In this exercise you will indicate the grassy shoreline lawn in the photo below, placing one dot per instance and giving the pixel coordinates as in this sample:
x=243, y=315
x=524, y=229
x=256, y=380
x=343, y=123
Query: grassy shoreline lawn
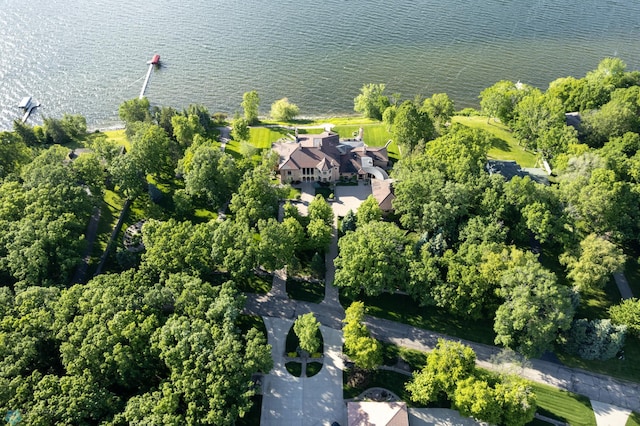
x=504, y=145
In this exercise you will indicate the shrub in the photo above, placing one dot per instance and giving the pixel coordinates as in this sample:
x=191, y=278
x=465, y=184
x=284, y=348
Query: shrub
x=627, y=313
x=595, y=339
x=468, y=112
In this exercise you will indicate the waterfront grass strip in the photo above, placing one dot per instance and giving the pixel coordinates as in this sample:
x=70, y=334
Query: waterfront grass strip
x=504, y=145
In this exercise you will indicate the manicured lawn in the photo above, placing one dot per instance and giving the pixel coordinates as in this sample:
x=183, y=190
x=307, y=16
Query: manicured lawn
x=595, y=303
x=263, y=137
x=401, y=308
x=319, y=121
x=390, y=353
x=205, y=215
x=313, y=368
x=233, y=148
x=311, y=131
x=119, y=137
x=632, y=272
x=505, y=146
x=634, y=420
x=110, y=209
x=374, y=134
x=564, y=406
x=394, y=151
x=256, y=284
x=627, y=368
x=293, y=194
x=304, y=290
x=294, y=368
x=325, y=192
x=247, y=322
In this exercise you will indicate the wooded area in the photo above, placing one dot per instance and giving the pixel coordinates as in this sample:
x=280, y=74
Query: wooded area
x=159, y=338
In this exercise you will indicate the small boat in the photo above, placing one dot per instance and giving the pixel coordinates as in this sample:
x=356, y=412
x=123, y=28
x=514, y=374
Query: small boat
x=25, y=103
x=155, y=60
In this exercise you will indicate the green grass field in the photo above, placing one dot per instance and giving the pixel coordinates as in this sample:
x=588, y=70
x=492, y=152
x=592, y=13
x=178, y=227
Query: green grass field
x=505, y=146
x=263, y=137
x=319, y=121
x=304, y=290
x=634, y=420
x=119, y=137
x=401, y=308
x=374, y=134
x=564, y=406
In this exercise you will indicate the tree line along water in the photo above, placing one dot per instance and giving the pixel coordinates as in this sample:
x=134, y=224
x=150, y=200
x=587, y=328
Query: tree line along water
x=80, y=57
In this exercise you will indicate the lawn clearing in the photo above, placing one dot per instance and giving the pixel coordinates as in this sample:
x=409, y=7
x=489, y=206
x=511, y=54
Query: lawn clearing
x=634, y=420
x=119, y=137
x=320, y=121
x=564, y=406
x=263, y=137
x=505, y=146
x=627, y=368
x=401, y=308
x=374, y=134
x=305, y=290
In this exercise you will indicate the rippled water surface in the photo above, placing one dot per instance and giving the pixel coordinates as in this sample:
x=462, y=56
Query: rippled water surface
x=81, y=56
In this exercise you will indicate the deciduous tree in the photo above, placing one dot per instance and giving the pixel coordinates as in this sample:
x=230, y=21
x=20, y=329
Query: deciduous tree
x=369, y=211
x=627, y=313
x=371, y=102
x=307, y=329
x=365, y=351
x=250, y=104
x=535, y=310
x=596, y=260
x=283, y=110
x=447, y=365
x=372, y=259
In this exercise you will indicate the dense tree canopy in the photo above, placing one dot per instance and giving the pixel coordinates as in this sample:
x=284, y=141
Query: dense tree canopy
x=372, y=259
x=371, y=102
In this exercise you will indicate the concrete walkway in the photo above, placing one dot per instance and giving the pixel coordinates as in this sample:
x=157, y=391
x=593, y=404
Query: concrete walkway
x=289, y=400
x=609, y=415
x=331, y=293
x=595, y=386
x=623, y=285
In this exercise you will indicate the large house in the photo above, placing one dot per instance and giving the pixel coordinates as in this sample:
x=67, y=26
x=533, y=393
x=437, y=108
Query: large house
x=325, y=158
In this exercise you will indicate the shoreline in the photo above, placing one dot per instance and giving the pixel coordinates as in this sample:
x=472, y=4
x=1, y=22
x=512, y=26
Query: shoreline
x=263, y=119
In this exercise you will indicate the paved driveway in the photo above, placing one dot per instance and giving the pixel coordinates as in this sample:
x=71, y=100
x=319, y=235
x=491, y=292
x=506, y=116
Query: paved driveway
x=349, y=198
x=346, y=197
x=289, y=400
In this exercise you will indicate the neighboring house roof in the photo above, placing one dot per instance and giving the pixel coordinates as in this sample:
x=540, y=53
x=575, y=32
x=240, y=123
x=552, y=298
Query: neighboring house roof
x=383, y=193
x=377, y=414
x=573, y=119
x=509, y=169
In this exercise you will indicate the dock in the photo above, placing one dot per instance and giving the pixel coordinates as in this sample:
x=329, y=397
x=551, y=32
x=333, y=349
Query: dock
x=28, y=105
x=153, y=62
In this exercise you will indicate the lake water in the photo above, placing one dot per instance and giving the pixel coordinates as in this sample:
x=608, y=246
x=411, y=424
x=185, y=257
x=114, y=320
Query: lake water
x=86, y=57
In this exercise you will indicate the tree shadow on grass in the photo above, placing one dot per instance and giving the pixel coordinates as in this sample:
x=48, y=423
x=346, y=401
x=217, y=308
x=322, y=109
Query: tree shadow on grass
x=500, y=144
